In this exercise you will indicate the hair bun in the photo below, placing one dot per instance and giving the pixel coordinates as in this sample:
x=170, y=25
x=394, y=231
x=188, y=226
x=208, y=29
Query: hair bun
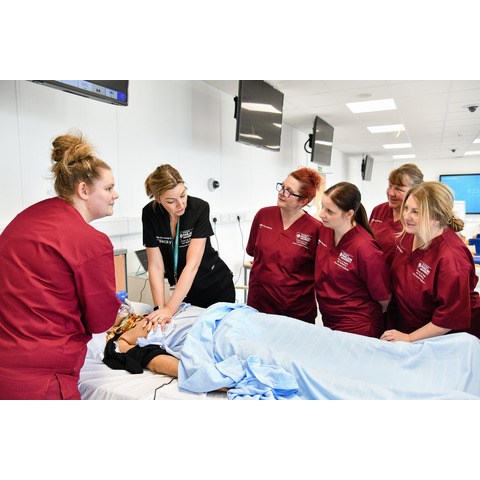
x=74, y=161
x=70, y=148
x=456, y=224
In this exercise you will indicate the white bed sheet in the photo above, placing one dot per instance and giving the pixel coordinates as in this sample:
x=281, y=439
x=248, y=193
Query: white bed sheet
x=99, y=382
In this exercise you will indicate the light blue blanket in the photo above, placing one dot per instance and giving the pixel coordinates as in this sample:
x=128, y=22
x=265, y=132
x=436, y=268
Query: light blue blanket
x=264, y=356
x=173, y=337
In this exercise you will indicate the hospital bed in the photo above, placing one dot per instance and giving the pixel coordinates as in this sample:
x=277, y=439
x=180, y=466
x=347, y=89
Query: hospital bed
x=100, y=382
x=264, y=356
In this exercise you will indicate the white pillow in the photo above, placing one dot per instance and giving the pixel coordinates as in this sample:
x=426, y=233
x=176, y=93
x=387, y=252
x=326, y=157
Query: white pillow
x=141, y=308
x=96, y=346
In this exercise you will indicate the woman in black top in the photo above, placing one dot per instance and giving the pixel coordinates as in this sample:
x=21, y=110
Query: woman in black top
x=176, y=235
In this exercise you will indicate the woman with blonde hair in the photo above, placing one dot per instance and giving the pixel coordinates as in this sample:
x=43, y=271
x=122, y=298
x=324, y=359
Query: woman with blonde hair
x=57, y=285
x=433, y=274
x=176, y=234
x=385, y=218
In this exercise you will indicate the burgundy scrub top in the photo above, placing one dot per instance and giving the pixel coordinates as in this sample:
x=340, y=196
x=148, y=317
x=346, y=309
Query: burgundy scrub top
x=282, y=275
x=350, y=279
x=57, y=287
x=385, y=230
x=435, y=285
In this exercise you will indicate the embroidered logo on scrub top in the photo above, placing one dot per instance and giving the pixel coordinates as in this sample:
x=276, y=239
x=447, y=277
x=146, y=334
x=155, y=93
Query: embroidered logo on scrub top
x=185, y=237
x=423, y=270
x=375, y=220
x=344, y=260
x=261, y=225
x=302, y=240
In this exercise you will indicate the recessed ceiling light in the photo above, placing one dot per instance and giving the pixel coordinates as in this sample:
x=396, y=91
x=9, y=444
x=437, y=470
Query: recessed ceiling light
x=403, y=156
x=477, y=140
x=397, y=145
x=386, y=128
x=372, y=106
x=472, y=152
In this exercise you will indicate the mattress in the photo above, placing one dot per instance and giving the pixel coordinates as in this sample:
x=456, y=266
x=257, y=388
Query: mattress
x=99, y=382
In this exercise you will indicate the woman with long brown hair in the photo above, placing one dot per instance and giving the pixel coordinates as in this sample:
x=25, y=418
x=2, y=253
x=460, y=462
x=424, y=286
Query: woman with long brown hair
x=351, y=275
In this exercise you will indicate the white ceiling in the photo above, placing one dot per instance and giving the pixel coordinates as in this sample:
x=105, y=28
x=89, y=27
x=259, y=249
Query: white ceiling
x=434, y=113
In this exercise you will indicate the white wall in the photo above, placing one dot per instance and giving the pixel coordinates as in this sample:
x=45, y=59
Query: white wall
x=189, y=124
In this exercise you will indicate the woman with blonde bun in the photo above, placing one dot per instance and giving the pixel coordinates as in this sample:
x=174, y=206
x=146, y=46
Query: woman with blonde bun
x=433, y=273
x=57, y=285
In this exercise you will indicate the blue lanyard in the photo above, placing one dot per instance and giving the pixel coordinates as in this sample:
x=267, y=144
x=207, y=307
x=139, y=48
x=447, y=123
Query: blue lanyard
x=175, y=249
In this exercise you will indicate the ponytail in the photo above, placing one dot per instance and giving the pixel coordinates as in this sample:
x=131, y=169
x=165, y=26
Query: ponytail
x=361, y=218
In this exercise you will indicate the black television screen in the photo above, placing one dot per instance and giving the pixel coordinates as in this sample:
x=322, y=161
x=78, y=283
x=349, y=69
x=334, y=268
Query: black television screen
x=259, y=111
x=465, y=186
x=367, y=168
x=321, y=142
x=108, y=91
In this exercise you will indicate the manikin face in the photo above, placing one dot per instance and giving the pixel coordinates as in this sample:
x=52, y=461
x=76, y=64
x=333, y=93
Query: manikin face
x=332, y=216
x=396, y=194
x=101, y=196
x=174, y=200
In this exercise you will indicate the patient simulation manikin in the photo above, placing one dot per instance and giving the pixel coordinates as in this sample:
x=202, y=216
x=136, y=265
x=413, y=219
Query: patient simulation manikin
x=132, y=347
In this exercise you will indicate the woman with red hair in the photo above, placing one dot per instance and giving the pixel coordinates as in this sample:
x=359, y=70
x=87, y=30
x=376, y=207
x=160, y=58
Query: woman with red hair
x=283, y=241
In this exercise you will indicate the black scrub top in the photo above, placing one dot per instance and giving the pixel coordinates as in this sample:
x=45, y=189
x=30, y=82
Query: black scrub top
x=194, y=223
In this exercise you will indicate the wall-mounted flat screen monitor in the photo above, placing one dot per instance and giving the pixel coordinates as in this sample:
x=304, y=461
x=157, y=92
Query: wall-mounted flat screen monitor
x=321, y=142
x=108, y=91
x=367, y=168
x=466, y=187
x=259, y=112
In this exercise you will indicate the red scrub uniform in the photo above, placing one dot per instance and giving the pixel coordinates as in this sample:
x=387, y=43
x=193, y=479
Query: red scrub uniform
x=282, y=275
x=57, y=287
x=385, y=230
x=350, y=279
x=435, y=285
